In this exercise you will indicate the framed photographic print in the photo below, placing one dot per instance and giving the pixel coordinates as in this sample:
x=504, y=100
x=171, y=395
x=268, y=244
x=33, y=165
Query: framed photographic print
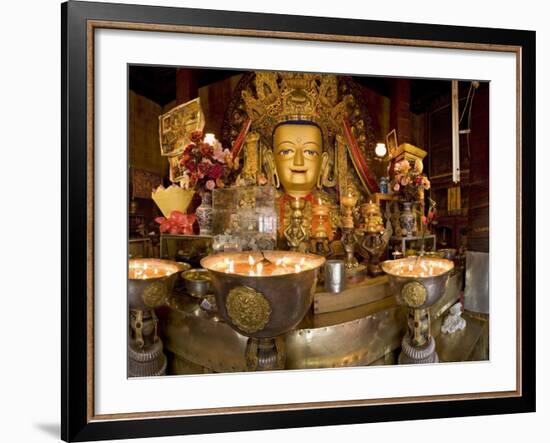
x=228, y=263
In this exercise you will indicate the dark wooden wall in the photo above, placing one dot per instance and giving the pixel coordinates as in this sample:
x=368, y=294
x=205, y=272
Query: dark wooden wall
x=478, y=212
x=470, y=226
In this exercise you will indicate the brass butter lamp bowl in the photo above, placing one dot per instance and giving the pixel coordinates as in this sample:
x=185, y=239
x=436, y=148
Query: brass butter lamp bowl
x=418, y=282
x=150, y=283
x=263, y=299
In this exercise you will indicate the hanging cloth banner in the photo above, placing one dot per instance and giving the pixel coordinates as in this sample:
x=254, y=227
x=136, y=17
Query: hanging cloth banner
x=359, y=161
x=238, y=144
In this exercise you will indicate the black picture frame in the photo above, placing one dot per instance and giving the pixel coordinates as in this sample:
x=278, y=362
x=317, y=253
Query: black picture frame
x=77, y=424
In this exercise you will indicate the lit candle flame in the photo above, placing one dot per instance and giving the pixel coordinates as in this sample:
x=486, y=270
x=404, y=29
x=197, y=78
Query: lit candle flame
x=259, y=268
x=250, y=260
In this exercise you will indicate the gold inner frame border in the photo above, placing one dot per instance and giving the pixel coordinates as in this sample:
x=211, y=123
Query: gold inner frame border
x=92, y=25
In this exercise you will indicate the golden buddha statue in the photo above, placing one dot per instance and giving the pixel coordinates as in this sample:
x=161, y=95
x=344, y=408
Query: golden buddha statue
x=296, y=115
x=299, y=157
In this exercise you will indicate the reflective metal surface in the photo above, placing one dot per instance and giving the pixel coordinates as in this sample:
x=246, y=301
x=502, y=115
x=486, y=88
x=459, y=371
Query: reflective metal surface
x=196, y=287
x=264, y=306
x=335, y=277
x=151, y=292
x=417, y=292
x=352, y=337
x=476, y=293
x=347, y=338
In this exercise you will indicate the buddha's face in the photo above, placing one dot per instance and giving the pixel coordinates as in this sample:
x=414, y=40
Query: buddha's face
x=298, y=152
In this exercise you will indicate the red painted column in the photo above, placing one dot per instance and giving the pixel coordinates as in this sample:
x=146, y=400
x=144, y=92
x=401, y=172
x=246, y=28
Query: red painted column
x=186, y=86
x=400, y=110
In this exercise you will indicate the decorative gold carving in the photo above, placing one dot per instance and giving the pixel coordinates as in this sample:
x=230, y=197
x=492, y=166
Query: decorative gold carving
x=176, y=126
x=295, y=233
x=175, y=129
x=251, y=165
x=266, y=108
x=248, y=309
x=154, y=294
x=136, y=323
x=286, y=96
x=414, y=294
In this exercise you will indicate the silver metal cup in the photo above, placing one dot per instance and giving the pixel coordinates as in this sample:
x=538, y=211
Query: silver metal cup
x=335, y=276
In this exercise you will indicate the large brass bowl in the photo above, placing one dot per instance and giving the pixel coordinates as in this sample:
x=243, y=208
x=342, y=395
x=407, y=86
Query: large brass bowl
x=418, y=291
x=150, y=291
x=264, y=306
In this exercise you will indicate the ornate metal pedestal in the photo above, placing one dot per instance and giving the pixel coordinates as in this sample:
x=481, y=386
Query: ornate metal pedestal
x=150, y=282
x=145, y=356
x=348, y=231
x=264, y=307
x=418, y=282
x=418, y=346
x=265, y=354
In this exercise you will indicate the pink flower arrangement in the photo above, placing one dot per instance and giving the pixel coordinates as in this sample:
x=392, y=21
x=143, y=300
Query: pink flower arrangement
x=408, y=181
x=206, y=165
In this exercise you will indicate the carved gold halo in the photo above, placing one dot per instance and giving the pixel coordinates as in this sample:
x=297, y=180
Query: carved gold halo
x=414, y=294
x=321, y=100
x=154, y=294
x=248, y=309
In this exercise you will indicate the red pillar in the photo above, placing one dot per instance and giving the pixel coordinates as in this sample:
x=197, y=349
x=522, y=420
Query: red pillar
x=186, y=86
x=400, y=110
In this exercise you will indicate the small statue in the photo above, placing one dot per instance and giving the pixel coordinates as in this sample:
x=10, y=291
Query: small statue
x=453, y=322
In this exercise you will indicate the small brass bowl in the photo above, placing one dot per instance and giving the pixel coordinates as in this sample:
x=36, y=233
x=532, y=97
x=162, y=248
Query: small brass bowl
x=197, y=287
x=183, y=266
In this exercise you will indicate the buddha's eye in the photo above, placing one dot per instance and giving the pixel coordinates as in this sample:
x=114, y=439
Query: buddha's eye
x=311, y=152
x=285, y=151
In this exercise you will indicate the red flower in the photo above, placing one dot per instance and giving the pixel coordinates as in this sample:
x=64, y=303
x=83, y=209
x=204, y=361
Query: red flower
x=215, y=171
x=190, y=165
x=204, y=167
x=196, y=136
x=206, y=150
x=184, y=159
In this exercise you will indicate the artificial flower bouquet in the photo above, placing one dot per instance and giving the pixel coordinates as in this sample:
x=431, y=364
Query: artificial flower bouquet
x=206, y=164
x=408, y=182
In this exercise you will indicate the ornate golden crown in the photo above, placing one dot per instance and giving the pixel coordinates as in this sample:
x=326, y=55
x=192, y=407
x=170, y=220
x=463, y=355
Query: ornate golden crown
x=288, y=96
